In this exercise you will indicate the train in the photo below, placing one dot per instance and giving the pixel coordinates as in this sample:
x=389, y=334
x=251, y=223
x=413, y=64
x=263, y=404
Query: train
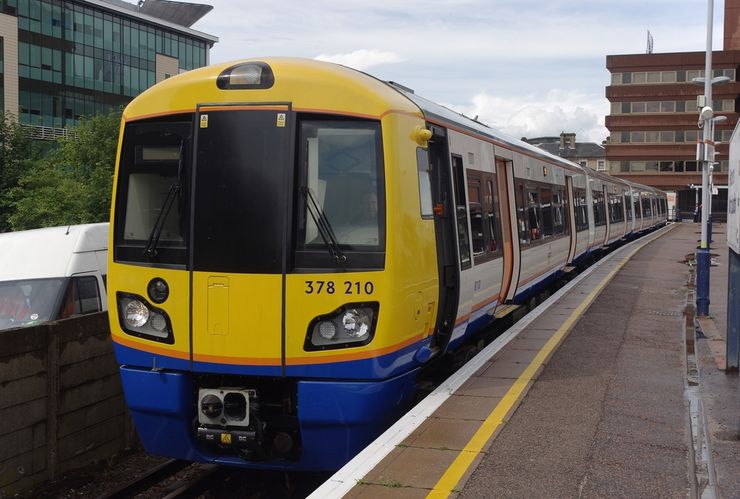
x=292, y=241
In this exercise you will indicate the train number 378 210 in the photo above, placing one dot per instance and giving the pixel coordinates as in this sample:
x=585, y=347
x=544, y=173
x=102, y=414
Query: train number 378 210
x=346, y=287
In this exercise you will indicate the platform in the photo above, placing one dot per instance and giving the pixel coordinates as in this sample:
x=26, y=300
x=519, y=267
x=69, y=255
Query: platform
x=594, y=393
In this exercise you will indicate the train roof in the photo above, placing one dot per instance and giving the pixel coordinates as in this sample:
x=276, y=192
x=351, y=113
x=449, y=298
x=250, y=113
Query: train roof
x=437, y=112
x=307, y=85
x=342, y=88
x=42, y=253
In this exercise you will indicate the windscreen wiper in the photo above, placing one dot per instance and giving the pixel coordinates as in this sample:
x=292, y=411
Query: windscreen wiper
x=322, y=223
x=175, y=190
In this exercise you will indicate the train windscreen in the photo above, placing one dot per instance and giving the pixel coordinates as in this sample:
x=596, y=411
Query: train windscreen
x=152, y=205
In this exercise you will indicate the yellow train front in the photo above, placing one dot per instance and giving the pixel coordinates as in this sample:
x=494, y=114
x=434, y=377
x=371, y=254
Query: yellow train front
x=273, y=281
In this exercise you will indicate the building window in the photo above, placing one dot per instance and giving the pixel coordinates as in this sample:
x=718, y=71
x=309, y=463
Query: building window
x=688, y=106
x=601, y=165
x=665, y=77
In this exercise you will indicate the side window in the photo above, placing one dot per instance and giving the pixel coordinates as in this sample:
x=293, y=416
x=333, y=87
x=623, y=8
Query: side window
x=580, y=205
x=534, y=215
x=616, y=208
x=547, y=212
x=599, y=208
x=492, y=214
x=541, y=211
x=646, y=206
x=425, y=183
x=521, y=217
x=476, y=214
x=560, y=226
x=82, y=297
x=461, y=211
x=627, y=204
x=485, y=224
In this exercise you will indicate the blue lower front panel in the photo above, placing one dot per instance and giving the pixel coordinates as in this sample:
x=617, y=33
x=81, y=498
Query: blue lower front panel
x=337, y=418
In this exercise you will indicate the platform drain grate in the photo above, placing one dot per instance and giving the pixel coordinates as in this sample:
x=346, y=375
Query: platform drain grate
x=665, y=313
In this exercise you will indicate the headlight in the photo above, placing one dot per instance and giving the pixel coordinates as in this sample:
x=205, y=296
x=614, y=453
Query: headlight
x=356, y=323
x=351, y=325
x=158, y=290
x=138, y=318
x=135, y=314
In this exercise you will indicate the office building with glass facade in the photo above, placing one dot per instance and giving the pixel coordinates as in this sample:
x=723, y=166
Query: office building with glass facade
x=64, y=59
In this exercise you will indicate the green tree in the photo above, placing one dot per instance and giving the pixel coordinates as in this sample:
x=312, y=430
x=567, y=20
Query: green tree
x=73, y=183
x=18, y=155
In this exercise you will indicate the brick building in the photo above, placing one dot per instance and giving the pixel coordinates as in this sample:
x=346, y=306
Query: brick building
x=654, y=115
x=589, y=154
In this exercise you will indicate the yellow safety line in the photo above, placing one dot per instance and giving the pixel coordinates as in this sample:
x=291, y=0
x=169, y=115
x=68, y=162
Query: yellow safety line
x=473, y=448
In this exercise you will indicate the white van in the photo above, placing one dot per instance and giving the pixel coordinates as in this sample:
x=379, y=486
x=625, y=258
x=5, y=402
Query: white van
x=52, y=273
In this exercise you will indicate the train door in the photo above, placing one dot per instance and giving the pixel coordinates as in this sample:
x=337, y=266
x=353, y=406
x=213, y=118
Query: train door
x=241, y=206
x=571, y=218
x=485, y=225
x=445, y=222
x=505, y=170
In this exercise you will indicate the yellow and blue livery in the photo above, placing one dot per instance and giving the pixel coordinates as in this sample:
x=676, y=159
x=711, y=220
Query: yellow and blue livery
x=293, y=240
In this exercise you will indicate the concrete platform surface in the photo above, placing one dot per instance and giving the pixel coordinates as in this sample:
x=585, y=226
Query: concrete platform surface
x=597, y=397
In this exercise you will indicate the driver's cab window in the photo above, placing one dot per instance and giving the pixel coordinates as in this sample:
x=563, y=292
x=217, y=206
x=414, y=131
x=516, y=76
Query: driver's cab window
x=342, y=187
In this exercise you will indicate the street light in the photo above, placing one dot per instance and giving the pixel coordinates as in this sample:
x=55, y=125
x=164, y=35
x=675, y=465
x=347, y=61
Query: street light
x=716, y=80
x=702, y=253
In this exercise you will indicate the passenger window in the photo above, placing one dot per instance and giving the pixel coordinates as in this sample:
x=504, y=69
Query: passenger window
x=558, y=213
x=461, y=211
x=533, y=215
x=581, y=214
x=599, y=208
x=547, y=213
x=616, y=208
x=626, y=203
x=541, y=211
x=485, y=224
x=494, y=222
x=476, y=228
x=521, y=218
x=476, y=215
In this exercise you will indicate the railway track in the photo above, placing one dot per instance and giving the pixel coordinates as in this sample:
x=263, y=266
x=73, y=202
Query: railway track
x=176, y=479
x=172, y=479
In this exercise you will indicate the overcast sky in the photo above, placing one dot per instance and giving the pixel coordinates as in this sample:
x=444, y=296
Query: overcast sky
x=530, y=68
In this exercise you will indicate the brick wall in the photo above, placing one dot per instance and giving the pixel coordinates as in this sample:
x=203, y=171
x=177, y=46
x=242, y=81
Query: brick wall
x=61, y=405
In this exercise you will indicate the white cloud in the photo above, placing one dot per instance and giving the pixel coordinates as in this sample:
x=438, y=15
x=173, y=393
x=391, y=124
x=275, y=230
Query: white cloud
x=500, y=60
x=529, y=116
x=362, y=59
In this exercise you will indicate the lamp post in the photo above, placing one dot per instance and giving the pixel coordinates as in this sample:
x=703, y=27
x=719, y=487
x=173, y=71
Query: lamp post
x=706, y=114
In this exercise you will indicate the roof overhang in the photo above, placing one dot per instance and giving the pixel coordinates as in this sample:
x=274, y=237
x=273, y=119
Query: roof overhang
x=132, y=12
x=181, y=13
